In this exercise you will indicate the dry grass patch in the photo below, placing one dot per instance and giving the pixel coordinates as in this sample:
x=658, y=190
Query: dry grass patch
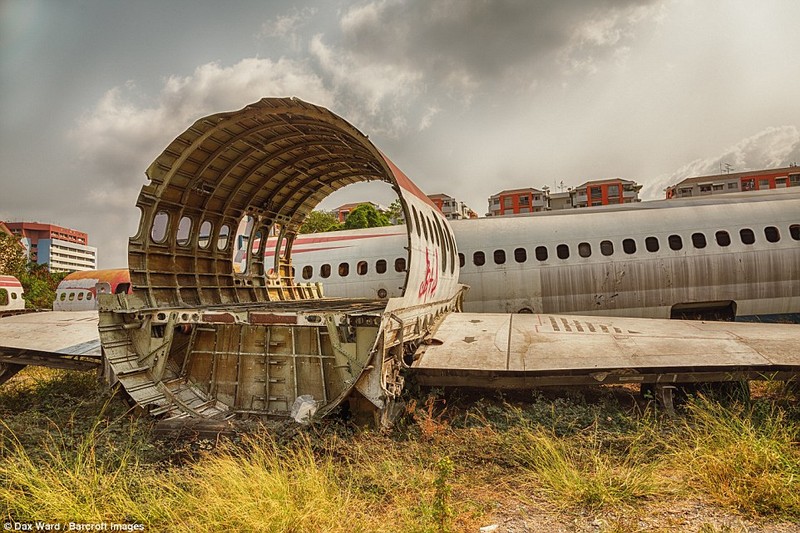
x=746, y=457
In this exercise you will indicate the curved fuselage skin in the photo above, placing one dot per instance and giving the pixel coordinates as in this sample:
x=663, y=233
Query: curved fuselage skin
x=740, y=252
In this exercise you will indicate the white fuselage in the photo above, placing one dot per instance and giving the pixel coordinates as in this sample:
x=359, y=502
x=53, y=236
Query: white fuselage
x=640, y=261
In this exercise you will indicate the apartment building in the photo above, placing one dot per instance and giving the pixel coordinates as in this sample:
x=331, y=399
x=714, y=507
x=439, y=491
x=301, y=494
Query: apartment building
x=751, y=180
x=61, y=249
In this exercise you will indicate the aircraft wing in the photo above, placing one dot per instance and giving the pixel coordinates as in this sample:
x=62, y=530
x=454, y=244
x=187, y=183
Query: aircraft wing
x=523, y=350
x=55, y=339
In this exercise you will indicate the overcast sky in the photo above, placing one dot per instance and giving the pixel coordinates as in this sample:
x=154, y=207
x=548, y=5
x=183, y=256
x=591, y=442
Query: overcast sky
x=468, y=97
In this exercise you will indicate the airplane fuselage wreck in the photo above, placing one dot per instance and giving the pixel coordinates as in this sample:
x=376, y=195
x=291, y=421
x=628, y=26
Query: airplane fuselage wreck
x=202, y=337
x=198, y=338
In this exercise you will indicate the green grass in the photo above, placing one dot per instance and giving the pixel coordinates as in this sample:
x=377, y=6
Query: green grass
x=70, y=451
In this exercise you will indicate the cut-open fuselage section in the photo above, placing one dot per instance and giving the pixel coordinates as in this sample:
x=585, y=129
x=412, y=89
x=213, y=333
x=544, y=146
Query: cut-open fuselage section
x=217, y=324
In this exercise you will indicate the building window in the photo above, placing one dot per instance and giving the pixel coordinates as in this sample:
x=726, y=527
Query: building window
x=541, y=253
x=748, y=184
x=499, y=257
x=584, y=249
x=705, y=188
x=520, y=255
x=772, y=234
x=651, y=244
x=613, y=190
x=794, y=180
x=524, y=200
x=675, y=242
x=763, y=184
x=606, y=248
x=747, y=236
x=478, y=259
x=733, y=185
x=562, y=251
x=723, y=238
x=629, y=246
x=308, y=272
x=719, y=187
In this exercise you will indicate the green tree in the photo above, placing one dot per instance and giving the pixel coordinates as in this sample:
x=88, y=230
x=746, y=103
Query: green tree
x=395, y=213
x=12, y=256
x=39, y=285
x=319, y=222
x=365, y=216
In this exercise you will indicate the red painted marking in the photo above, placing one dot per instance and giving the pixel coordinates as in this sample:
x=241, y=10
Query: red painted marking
x=10, y=281
x=431, y=281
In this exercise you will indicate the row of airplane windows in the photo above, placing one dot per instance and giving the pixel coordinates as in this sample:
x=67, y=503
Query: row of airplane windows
x=6, y=297
x=72, y=295
x=651, y=244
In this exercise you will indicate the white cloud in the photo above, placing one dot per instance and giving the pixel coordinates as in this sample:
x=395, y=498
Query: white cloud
x=773, y=147
x=118, y=138
x=372, y=95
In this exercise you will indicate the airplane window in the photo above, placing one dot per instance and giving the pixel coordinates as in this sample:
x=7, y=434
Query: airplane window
x=541, y=253
x=4, y=297
x=159, y=230
x=400, y=264
x=71, y=296
x=88, y=295
x=452, y=252
x=184, y=231
x=675, y=242
x=380, y=266
x=499, y=257
x=794, y=231
x=479, y=258
x=629, y=246
x=651, y=243
x=562, y=251
x=520, y=255
x=257, y=244
x=723, y=238
x=606, y=248
x=584, y=249
x=63, y=296
x=747, y=236
x=416, y=220
x=361, y=268
x=424, y=227
x=699, y=240
x=80, y=296
x=461, y=260
x=205, y=234
x=434, y=238
x=772, y=234
x=442, y=243
x=344, y=269
x=222, y=240
x=14, y=295
x=325, y=270
x=308, y=271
